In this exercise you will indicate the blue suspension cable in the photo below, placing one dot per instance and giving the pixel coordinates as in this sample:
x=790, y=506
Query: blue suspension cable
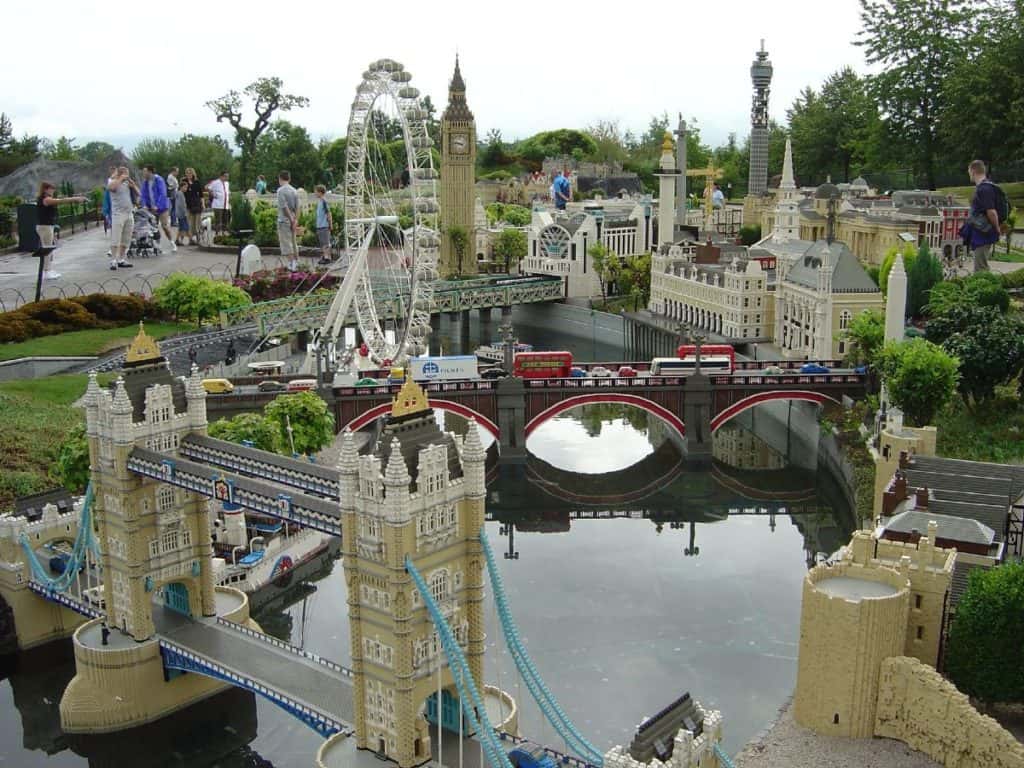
x=85, y=540
x=534, y=682
x=472, y=705
x=723, y=759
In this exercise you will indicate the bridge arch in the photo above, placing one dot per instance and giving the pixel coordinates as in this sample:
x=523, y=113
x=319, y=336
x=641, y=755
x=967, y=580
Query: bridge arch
x=445, y=405
x=750, y=401
x=624, y=398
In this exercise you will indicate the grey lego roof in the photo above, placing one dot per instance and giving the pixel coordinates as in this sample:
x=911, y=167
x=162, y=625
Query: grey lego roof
x=416, y=432
x=961, y=574
x=32, y=506
x=962, y=529
x=848, y=276
x=957, y=471
x=138, y=377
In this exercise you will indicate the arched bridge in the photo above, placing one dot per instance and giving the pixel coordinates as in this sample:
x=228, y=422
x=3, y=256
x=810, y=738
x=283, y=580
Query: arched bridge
x=693, y=406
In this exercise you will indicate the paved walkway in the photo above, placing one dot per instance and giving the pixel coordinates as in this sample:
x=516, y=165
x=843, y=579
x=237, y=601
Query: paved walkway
x=82, y=261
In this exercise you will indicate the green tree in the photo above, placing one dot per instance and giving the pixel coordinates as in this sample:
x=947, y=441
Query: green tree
x=72, y=466
x=990, y=347
x=866, y=335
x=267, y=98
x=565, y=142
x=915, y=44
x=510, y=247
x=606, y=266
x=609, y=141
x=750, y=234
x=63, y=148
x=15, y=152
x=312, y=425
x=251, y=427
x=94, y=151
x=208, y=155
x=923, y=275
x=459, y=239
x=635, y=278
x=986, y=634
x=333, y=155
x=920, y=377
x=987, y=83
x=909, y=252
x=493, y=155
x=286, y=146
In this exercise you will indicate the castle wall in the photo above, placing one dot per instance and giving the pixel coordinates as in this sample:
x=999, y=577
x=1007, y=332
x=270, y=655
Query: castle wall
x=917, y=706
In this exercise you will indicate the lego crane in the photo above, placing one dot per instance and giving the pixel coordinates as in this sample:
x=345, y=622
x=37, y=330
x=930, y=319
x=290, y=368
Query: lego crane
x=710, y=173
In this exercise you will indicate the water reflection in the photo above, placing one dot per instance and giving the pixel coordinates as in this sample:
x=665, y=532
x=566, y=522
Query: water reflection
x=632, y=579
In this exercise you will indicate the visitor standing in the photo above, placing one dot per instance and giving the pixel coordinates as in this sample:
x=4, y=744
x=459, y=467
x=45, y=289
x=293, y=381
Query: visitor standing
x=261, y=185
x=121, y=187
x=717, y=197
x=180, y=208
x=172, y=191
x=287, y=218
x=561, y=191
x=982, y=230
x=154, y=197
x=46, y=220
x=220, y=201
x=194, y=205
x=324, y=224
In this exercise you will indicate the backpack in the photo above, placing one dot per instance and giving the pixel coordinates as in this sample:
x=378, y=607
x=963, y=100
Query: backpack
x=1002, y=204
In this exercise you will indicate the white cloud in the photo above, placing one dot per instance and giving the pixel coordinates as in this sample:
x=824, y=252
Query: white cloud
x=127, y=69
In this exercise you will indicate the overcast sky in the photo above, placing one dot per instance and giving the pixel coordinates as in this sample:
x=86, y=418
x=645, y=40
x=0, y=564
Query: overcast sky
x=116, y=70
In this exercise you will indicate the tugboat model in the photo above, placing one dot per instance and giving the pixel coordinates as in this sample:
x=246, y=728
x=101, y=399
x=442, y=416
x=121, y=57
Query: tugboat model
x=495, y=351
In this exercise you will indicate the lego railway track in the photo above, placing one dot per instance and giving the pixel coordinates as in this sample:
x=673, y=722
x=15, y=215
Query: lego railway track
x=175, y=344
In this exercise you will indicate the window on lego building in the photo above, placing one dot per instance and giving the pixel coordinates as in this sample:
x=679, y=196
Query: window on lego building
x=164, y=499
x=439, y=585
x=917, y=601
x=844, y=319
x=920, y=632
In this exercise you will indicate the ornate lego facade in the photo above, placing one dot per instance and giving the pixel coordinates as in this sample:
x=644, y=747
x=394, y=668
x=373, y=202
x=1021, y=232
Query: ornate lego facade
x=419, y=494
x=155, y=538
x=724, y=292
x=458, y=175
x=557, y=242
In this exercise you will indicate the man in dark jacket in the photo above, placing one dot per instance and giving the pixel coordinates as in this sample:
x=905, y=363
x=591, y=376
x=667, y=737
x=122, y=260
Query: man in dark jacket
x=983, y=225
x=154, y=197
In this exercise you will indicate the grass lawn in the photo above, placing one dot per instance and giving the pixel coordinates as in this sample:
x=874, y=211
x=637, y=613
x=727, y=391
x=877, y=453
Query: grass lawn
x=1014, y=193
x=1015, y=256
x=94, y=341
x=995, y=433
x=35, y=417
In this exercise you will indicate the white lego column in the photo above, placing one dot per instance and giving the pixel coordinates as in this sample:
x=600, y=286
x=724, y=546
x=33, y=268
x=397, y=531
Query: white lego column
x=234, y=532
x=896, y=301
x=667, y=173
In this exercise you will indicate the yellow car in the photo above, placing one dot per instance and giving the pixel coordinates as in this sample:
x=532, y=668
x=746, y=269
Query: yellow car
x=218, y=386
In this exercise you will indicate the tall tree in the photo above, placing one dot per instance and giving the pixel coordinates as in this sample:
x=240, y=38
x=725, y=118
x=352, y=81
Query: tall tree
x=64, y=148
x=287, y=146
x=267, y=99
x=982, y=96
x=15, y=152
x=95, y=151
x=917, y=44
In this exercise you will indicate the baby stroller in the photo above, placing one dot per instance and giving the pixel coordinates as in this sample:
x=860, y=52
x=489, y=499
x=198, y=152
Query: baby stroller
x=145, y=235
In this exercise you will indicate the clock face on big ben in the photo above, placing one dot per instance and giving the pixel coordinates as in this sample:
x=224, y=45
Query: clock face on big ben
x=460, y=143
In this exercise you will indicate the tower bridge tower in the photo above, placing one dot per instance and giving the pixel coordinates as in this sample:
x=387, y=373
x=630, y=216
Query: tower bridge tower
x=153, y=537
x=418, y=494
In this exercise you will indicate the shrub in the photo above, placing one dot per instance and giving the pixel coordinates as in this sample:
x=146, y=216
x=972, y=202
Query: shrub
x=923, y=274
x=108, y=306
x=72, y=466
x=264, y=219
x=909, y=257
x=920, y=377
x=982, y=289
x=62, y=314
x=1014, y=279
x=15, y=326
x=750, y=234
x=188, y=296
x=280, y=283
x=986, y=632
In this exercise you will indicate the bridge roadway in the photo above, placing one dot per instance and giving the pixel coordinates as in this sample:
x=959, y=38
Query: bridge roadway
x=306, y=311
x=290, y=677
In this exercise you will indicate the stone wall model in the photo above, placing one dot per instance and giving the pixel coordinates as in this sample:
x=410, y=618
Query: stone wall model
x=918, y=706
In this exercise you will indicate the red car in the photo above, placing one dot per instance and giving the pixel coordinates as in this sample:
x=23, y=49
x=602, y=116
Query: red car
x=626, y=372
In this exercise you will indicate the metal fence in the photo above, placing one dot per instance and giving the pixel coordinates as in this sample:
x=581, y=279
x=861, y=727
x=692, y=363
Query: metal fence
x=138, y=285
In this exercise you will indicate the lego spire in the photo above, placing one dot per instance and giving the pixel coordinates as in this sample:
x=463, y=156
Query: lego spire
x=396, y=475
x=348, y=459
x=143, y=347
x=92, y=391
x=121, y=402
x=472, y=448
x=787, y=168
x=457, y=83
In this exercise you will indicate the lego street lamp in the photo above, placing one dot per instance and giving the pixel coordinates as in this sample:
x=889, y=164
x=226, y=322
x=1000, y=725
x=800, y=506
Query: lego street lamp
x=697, y=338
x=508, y=529
x=693, y=549
x=509, y=341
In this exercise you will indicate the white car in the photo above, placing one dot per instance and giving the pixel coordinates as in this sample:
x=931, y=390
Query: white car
x=600, y=372
x=772, y=370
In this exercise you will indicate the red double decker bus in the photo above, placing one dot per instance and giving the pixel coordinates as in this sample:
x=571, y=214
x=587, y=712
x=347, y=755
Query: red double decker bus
x=542, y=365
x=709, y=350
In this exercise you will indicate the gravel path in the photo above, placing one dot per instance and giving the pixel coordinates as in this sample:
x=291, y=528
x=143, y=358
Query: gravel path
x=788, y=745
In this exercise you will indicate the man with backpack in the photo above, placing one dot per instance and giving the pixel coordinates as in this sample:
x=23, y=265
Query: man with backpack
x=989, y=209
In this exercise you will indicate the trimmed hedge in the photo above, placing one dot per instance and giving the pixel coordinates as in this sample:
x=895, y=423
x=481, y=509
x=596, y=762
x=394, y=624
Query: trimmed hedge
x=52, y=316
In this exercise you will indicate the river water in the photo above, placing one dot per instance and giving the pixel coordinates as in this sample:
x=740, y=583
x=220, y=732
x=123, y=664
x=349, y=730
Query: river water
x=632, y=578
